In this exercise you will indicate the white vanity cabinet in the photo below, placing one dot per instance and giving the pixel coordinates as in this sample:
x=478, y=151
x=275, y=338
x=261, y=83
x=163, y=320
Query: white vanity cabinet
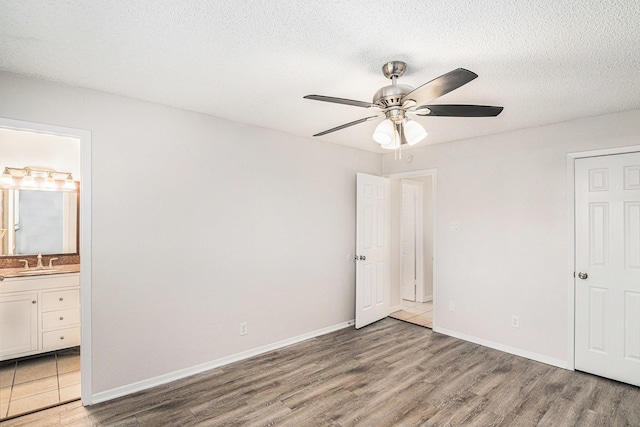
x=39, y=314
x=18, y=324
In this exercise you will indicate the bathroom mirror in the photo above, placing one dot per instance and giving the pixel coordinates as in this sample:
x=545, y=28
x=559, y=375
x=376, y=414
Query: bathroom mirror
x=33, y=221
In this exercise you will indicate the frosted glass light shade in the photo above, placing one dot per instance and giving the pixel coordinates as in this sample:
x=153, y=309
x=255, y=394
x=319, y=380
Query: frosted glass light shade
x=393, y=144
x=413, y=132
x=384, y=133
x=6, y=179
x=49, y=182
x=69, y=184
x=28, y=181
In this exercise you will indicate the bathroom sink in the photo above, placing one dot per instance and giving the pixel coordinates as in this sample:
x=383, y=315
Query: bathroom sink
x=37, y=271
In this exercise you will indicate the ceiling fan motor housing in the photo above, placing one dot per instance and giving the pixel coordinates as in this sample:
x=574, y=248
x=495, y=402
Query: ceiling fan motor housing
x=391, y=96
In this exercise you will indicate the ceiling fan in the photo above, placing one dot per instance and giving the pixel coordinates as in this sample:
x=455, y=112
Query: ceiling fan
x=396, y=101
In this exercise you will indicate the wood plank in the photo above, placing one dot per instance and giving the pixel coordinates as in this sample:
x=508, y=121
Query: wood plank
x=388, y=373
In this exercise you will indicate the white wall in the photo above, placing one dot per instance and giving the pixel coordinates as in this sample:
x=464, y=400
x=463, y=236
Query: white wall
x=199, y=224
x=509, y=194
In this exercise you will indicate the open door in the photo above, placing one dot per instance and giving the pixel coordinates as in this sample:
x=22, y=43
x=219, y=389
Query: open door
x=373, y=225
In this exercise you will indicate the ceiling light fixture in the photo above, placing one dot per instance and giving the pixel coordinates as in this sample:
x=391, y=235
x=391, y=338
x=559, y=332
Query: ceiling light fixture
x=395, y=101
x=36, y=178
x=394, y=132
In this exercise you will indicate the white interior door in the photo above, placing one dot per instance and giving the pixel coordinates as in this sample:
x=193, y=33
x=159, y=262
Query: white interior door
x=372, y=249
x=607, y=284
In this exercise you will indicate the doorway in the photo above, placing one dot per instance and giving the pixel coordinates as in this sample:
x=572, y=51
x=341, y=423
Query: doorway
x=34, y=374
x=413, y=216
x=412, y=241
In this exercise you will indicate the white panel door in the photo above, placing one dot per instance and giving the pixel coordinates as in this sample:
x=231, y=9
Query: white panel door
x=408, y=242
x=372, y=249
x=607, y=284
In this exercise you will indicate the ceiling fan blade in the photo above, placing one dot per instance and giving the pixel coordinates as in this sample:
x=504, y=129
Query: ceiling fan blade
x=440, y=86
x=455, y=110
x=341, y=101
x=346, y=125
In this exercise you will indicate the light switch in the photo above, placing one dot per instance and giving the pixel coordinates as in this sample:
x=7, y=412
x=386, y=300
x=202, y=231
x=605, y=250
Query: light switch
x=454, y=226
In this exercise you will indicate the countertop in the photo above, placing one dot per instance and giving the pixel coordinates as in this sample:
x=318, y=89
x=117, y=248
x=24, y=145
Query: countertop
x=33, y=272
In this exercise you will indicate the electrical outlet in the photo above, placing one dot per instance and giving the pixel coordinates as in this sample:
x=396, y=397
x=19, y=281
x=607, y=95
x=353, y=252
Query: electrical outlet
x=515, y=321
x=243, y=328
x=452, y=306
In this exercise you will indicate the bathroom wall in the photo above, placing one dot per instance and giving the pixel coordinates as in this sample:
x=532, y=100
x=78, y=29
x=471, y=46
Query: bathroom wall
x=20, y=149
x=199, y=224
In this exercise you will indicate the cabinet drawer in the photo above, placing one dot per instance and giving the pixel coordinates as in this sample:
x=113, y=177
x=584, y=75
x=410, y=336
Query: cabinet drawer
x=60, y=299
x=63, y=338
x=60, y=318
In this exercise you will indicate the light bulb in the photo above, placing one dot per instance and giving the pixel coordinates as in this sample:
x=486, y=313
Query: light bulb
x=69, y=184
x=27, y=180
x=413, y=132
x=6, y=179
x=384, y=133
x=49, y=181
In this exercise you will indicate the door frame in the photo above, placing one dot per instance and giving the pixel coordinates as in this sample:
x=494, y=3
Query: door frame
x=418, y=212
x=571, y=221
x=85, y=236
x=433, y=173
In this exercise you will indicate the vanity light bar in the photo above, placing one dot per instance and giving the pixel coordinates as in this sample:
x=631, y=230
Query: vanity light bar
x=34, y=178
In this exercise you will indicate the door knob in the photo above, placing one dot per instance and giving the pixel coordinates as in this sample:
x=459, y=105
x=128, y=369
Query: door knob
x=363, y=258
x=582, y=275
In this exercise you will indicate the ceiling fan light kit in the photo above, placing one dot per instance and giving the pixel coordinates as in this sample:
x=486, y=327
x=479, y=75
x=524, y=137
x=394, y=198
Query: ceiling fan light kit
x=395, y=101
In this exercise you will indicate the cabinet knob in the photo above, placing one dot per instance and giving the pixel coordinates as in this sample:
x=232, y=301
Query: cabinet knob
x=62, y=318
x=33, y=302
x=61, y=299
x=61, y=338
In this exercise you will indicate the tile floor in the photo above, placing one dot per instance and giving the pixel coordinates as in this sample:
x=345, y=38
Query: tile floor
x=32, y=383
x=419, y=313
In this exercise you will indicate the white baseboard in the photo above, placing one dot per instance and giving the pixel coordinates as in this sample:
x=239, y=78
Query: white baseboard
x=183, y=373
x=395, y=308
x=427, y=298
x=507, y=349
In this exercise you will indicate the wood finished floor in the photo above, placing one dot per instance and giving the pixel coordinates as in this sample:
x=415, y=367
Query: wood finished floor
x=390, y=373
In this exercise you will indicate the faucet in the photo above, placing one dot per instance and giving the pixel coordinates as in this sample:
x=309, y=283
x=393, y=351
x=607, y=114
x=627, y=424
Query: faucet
x=51, y=262
x=40, y=260
x=26, y=263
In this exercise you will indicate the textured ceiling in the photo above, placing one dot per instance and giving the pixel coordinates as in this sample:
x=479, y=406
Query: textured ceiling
x=253, y=61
